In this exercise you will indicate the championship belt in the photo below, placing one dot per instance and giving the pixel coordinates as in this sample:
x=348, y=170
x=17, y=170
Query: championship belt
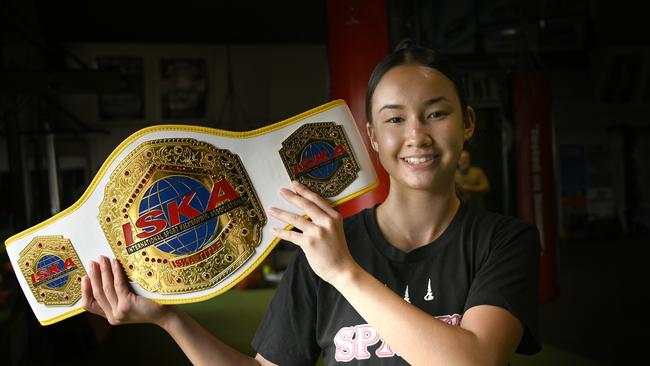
x=183, y=208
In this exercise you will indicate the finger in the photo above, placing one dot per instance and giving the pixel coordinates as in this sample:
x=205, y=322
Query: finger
x=288, y=235
x=324, y=204
x=310, y=208
x=87, y=300
x=107, y=281
x=86, y=293
x=296, y=221
x=121, y=285
x=97, y=287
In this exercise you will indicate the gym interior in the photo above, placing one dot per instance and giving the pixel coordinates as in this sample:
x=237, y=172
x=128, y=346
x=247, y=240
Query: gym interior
x=562, y=95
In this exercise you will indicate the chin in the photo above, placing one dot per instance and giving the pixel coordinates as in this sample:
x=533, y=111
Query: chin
x=420, y=185
x=430, y=183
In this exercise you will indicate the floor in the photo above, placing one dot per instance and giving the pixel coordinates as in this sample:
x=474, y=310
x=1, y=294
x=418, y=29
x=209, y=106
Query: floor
x=602, y=293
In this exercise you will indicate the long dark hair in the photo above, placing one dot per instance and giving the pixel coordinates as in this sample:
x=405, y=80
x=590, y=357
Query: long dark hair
x=409, y=54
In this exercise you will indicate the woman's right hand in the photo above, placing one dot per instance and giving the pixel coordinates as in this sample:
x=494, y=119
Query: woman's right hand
x=105, y=292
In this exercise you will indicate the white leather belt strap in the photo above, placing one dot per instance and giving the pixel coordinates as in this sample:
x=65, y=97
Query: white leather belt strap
x=183, y=208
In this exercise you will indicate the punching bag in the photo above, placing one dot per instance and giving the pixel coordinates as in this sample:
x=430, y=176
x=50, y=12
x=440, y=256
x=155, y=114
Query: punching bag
x=536, y=200
x=358, y=40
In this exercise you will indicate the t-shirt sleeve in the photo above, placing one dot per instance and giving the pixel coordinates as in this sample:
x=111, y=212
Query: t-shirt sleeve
x=287, y=334
x=509, y=278
x=483, y=179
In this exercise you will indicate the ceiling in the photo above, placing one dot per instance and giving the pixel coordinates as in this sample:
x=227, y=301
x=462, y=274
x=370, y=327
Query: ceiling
x=184, y=21
x=554, y=25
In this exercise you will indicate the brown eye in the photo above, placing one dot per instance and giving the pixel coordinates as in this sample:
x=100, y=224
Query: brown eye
x=438, y=115
x=394, y=120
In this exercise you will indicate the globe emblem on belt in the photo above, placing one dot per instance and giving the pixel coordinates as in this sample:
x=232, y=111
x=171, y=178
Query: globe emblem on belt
x=48, y=261
x=320, y=148
x=319, y=156
x=172, y=190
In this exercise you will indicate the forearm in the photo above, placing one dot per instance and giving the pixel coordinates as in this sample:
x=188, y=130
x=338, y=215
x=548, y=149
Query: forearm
x=483, y=186
x=479, y=187
x=416, y=336
x=199, y=345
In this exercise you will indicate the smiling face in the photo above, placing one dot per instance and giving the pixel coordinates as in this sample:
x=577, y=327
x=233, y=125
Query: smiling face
x=418, y=128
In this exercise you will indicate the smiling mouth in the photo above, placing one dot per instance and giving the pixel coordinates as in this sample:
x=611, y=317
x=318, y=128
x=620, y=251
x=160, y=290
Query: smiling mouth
x=419, y=159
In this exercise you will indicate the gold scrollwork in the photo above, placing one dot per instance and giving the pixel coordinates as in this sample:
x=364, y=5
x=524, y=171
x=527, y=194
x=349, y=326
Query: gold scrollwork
x=189, y=238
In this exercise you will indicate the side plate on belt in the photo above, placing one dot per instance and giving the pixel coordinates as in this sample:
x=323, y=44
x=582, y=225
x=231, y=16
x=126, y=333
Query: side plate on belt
x=319, y=156
x=53, y=270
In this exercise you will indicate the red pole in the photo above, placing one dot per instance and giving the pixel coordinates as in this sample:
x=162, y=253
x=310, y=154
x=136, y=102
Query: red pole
x=358, y=40
x=535, y=175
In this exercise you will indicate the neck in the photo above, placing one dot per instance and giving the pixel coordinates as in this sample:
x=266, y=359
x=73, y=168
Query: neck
x=409, y=220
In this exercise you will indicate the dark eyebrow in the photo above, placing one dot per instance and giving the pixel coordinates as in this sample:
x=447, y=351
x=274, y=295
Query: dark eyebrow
x=429, y=102
x=391, y=106
x=433, y=101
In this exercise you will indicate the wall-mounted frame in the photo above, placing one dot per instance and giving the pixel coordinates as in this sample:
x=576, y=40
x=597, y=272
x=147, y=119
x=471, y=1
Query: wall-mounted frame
x=129, y=103
x=183, y=88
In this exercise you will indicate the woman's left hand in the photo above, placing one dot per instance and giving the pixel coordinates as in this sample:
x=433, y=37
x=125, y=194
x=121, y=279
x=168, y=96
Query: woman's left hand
x=322, y=239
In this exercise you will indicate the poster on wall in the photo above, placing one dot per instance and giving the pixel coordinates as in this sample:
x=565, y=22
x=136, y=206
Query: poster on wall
x=129, y=103
x=184, y=85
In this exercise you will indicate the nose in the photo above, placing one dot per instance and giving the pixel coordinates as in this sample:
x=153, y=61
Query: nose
x=417, y=134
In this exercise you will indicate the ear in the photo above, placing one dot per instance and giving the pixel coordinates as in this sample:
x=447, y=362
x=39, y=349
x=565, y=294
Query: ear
x=469, y=123
x=371, y=135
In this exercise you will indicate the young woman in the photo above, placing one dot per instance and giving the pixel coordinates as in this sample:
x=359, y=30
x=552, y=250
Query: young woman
x=421, y=278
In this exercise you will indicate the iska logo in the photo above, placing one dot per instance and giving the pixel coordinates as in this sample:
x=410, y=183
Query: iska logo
x=319, y=156
x=53, y=270
x=319, y=160
x=181, y=211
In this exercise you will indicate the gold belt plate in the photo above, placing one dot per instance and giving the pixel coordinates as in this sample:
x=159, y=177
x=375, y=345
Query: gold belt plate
x=53, y=270
x=319, y=156
x=181, y=215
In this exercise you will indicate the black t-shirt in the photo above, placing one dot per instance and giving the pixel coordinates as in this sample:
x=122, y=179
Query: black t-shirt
x=482, y=258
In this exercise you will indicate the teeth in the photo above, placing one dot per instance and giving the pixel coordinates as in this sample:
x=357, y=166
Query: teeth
x=417, y=160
